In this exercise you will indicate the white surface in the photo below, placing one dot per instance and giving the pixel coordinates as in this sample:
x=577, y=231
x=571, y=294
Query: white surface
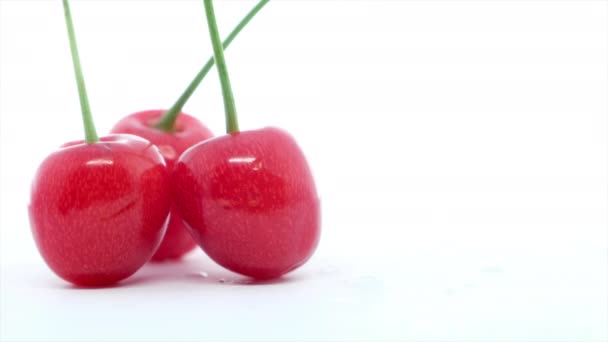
x=460, y=149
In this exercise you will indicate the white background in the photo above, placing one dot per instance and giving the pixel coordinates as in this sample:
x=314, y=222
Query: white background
x=460, y=149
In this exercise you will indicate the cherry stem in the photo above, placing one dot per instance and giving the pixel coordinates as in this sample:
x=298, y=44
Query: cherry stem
x=167, y=121
x=232, y=124
x=89, y=127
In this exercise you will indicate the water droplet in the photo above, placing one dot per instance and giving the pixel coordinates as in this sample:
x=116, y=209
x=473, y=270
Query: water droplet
x=449, y=292
x=367, y=282
x=492, y=269
x=222, y=280
x=328, y=270
x=203, y=274
x=343, y=300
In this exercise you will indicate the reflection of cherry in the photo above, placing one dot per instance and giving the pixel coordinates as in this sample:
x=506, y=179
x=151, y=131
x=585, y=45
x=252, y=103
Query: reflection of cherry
x=248, y=198
x=99, y=207
x=173, y=132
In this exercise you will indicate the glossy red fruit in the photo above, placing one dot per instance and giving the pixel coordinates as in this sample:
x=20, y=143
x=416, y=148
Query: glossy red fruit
x=188, y=131
x=250, y=201
x=99, y=211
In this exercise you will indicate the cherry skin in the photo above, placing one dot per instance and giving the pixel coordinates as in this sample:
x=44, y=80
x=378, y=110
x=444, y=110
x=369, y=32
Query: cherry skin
x=249, y=200
x=98, y=211
x=188, y=131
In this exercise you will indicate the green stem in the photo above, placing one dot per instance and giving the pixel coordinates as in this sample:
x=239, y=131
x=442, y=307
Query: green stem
x=89, y=127
x=232, y=124
x=168, y=119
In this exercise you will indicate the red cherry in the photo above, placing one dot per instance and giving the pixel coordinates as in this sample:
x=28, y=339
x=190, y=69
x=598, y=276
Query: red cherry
x=98, y=211
x=187, y=132
x=249, y=200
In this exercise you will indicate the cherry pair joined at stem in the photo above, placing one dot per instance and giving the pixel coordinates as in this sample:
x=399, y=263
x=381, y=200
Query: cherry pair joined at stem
x=174, y=132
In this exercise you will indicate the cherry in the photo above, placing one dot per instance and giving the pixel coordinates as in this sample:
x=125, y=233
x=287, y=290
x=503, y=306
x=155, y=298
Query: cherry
x=99, y=207
x=248, y=198
x=98, y=210
x=173, y=132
